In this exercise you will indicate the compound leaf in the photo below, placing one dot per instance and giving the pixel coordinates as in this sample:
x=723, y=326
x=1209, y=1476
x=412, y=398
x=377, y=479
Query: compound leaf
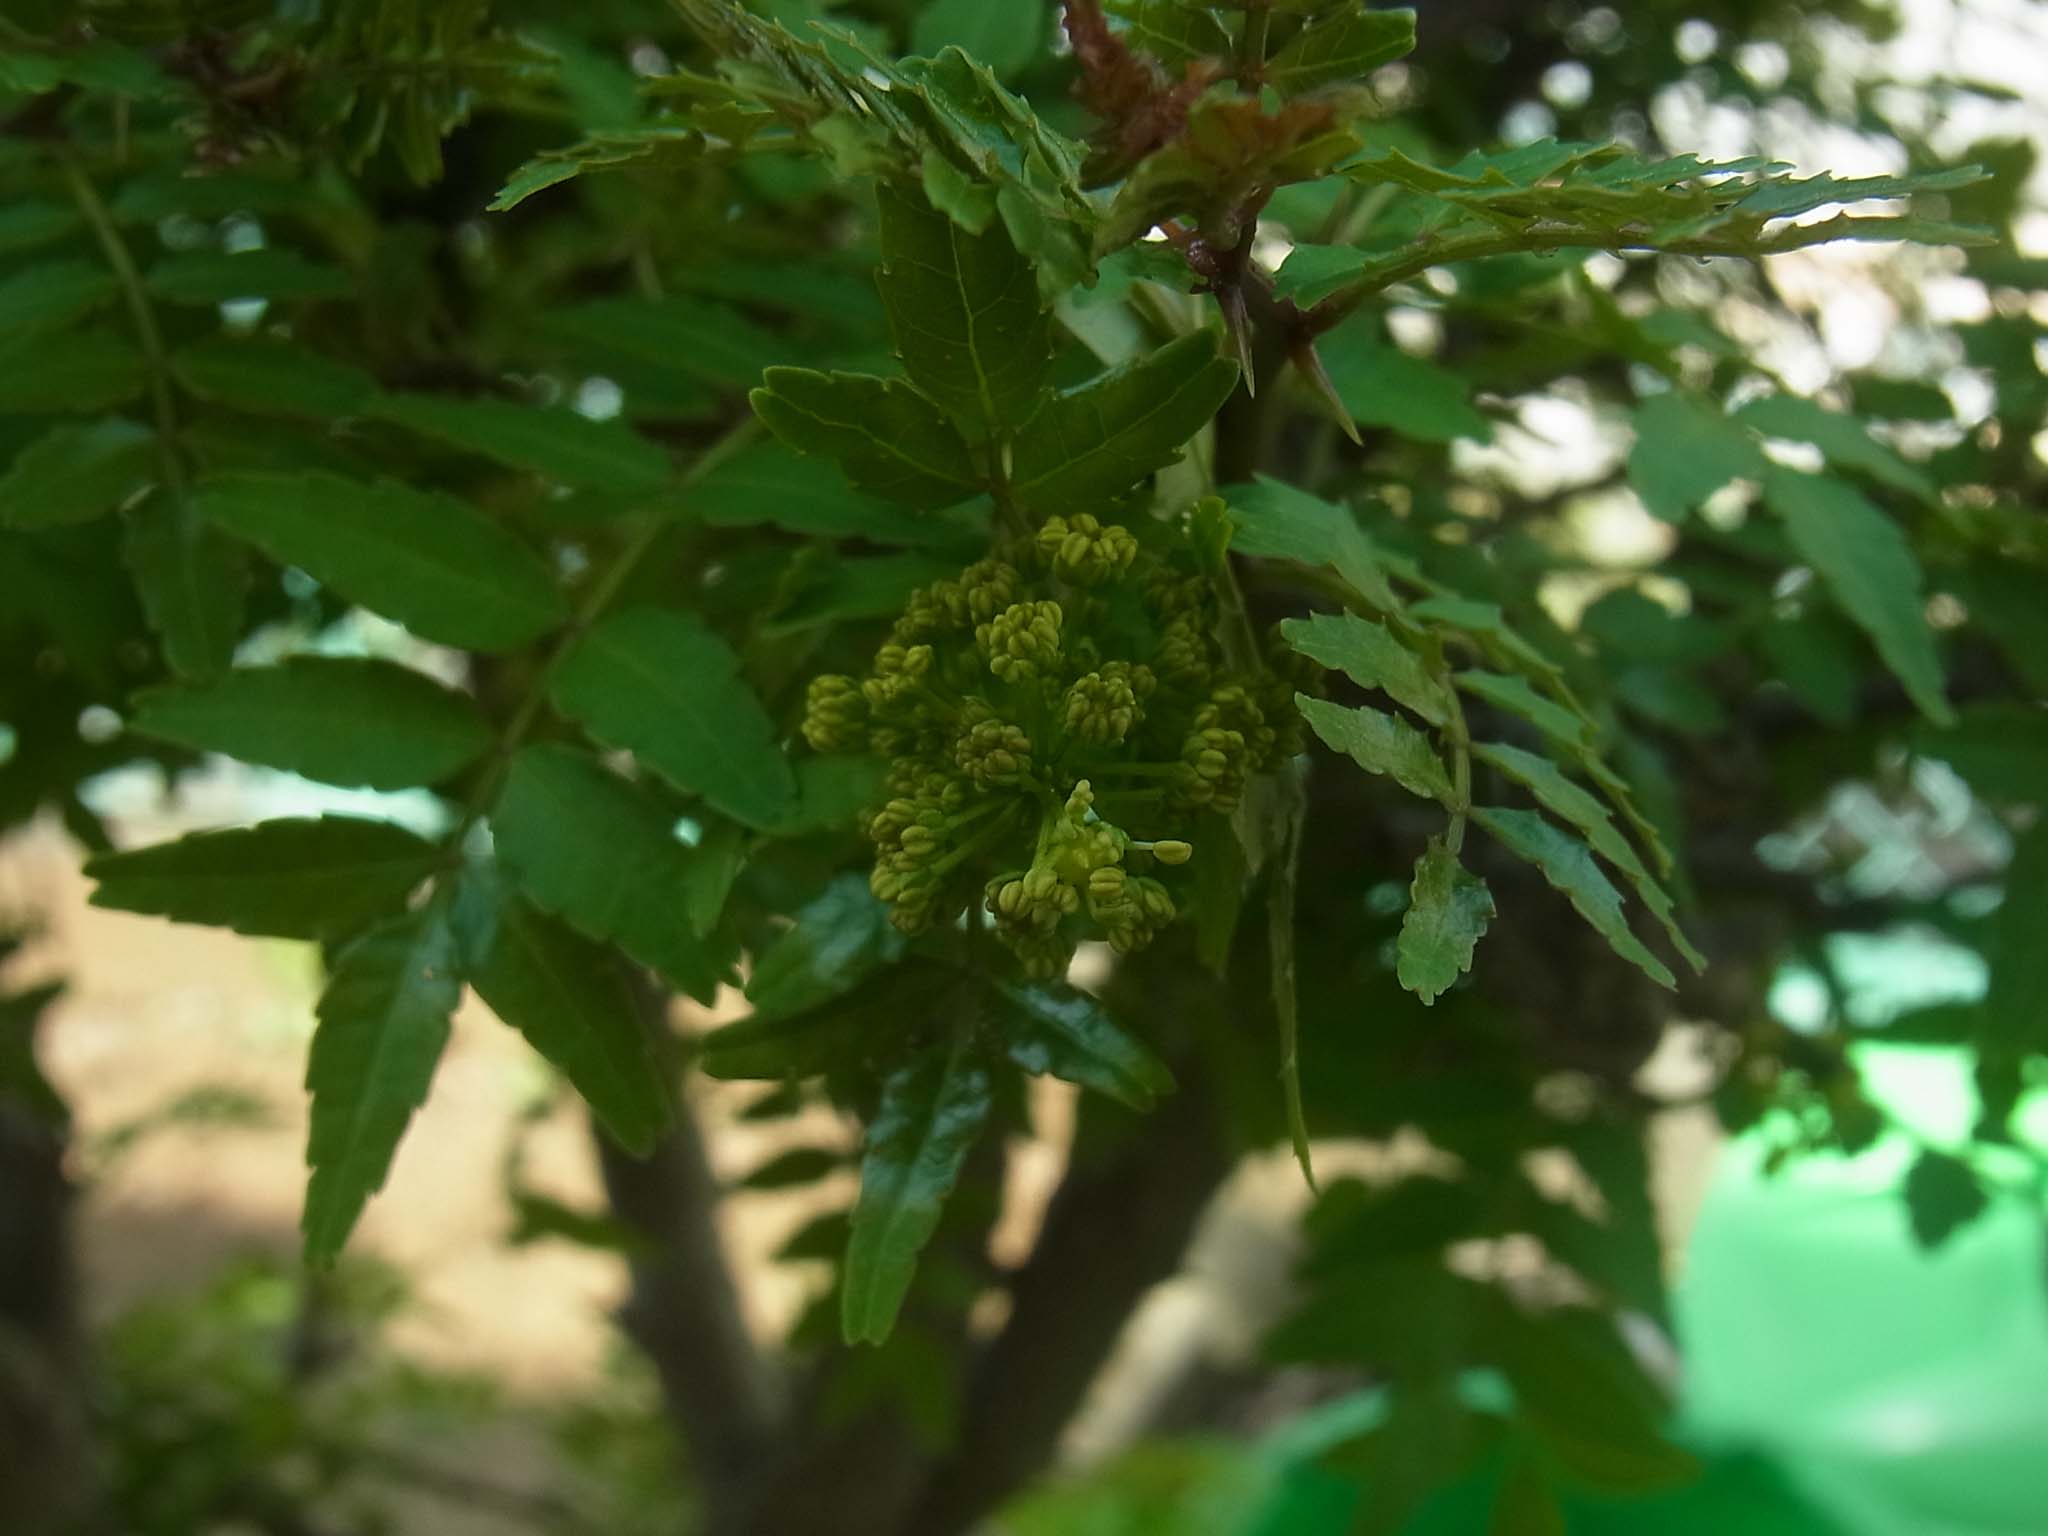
x=1868, y=566
x=591, y=848
x=1369, y=654
x=657, y=683
x=1566, y=799
x=318, y=878
x=192, y=583
x=965, y=310
x=1569, y=867
x=342, y=720
x=1050, y=1027
x=428, y=560
x=931, y=1114
x=1379, y=743
x=1448, y=910
x=383, y=1022
x=217, y=277
x=272, y=378
x=1093, y=443
x=836, y=941
x=889, y=438
x=568, y=997
x=1346, y=45
x=602, y=455
x=75, y=473
x=1684, y=451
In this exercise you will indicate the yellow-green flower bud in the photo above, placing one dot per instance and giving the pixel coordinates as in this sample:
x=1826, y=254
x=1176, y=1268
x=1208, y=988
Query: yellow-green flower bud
x=986, y=588
x=1023, y=641
x=1231, y=707
x=1100, y=708
x=1185, y=658
x=1212, y=767
x=835, y=714
x=1172, y=851
x=896, y=690
x=1084, y=551
x=993, y=753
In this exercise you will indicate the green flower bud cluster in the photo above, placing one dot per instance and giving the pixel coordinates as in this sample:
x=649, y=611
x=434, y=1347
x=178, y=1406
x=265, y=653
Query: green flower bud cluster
x=1023, y=641
x=835, y=714
x=1050, y=717
x=1100, y=707
x=1287, y=673
x=1084, y=552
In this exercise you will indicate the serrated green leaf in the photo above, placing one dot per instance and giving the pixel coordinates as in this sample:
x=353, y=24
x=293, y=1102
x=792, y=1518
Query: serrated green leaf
x=1818, y=656
x=1175, y=32
x=1517, y=697
x=1382, y=386
x=192, y=583
x=1281, y=522
x=858, y=1029
x=26, y=223
x=1346, y=45
x=860, y=587
x=931, y=1114
x=1567, y=864
x=1312, y=272
x=1368, y=653
x=1568, y=801
x=1052, y=1028
x=1782, y=197
x=428, y=560
x=1379, y=743
x=1684, y=451
x=321, y=878
x=767, y=483
x=342, y=720
x=705, y=340
x=270, y=186
x=664, y=147
x=836, y=941
x=1004, y=37
x=570, y=1000
x=1842, y=440
x=1034, y=169
x=50, y=297
x=219, y=277
x=1448, y=910
x=272, y=378
x=888, y=438
x=383, y=1022
x=76, y=472
x=1091, y=444
x=657, y=683
x=594, y=850
x=604, y=455
x=101, y=65
x=964, y=308
x=797, y=1166
x=46, y=374
x=1869, y=569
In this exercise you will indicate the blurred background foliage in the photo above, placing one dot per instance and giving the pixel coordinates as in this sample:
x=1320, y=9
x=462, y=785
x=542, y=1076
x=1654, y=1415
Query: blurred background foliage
x=305, y=190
